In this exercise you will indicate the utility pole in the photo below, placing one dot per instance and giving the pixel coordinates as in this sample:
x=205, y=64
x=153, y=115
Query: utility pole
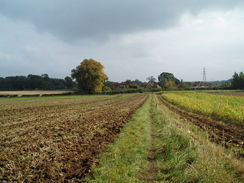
x=204, y=79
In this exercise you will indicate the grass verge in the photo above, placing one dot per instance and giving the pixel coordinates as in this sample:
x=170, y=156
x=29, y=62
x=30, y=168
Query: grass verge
x=126, y=156
x=184, y=153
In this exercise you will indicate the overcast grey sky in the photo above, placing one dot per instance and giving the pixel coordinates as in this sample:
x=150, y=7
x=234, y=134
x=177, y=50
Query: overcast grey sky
x=133, y=39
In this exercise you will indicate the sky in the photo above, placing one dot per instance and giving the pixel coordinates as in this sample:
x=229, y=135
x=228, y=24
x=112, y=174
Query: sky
x=132, y=39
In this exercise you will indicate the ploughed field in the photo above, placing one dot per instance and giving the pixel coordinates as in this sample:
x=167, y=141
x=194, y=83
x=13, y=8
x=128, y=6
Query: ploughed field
x=58, y=138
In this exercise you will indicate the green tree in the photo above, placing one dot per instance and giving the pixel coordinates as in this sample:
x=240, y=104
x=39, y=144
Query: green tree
x=69, y=82
x=128, y=81
x=89, y=75
x=138, y=82
x=47, y=82
x=238, y=80
x=151, y=79
x=35, y=82
x=167, y=79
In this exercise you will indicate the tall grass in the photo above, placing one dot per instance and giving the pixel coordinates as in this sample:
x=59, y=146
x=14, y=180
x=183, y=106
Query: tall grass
x=186, y=155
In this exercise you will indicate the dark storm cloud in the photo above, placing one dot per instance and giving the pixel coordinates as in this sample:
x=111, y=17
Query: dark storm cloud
x=86, y=19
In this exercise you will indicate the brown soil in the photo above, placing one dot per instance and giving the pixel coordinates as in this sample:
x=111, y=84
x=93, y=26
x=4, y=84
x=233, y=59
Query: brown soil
x=59, y=140
x=152, y=170
x=226, y=133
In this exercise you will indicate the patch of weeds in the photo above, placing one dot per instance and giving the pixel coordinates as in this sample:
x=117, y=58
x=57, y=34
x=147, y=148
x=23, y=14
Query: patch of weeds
x=101, y=131
x=58, y=168
x=14, y=176
x=22, y=159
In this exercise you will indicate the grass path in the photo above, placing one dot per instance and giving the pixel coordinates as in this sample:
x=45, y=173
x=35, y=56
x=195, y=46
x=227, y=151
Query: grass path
x=157, y=146
x=126, y=157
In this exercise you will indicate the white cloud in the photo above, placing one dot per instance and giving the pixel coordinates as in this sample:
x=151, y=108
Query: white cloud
x=7, y=57
x=31, y=48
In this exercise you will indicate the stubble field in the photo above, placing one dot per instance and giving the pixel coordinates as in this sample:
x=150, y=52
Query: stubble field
x=57, y=139
x=34, y=93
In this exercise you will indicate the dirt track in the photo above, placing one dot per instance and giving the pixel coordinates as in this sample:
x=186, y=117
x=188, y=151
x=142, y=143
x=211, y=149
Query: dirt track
x=227, y=134
x=58, y=140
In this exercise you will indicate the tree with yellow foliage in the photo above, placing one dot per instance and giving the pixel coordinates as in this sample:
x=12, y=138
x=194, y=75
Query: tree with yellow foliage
x=89, y=76
x=169, y=84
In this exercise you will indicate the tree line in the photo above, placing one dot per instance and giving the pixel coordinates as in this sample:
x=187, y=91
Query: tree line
x=35, y=82
x=90, y=78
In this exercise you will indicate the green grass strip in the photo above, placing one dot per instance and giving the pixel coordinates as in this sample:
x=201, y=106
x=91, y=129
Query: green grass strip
x=126, y=157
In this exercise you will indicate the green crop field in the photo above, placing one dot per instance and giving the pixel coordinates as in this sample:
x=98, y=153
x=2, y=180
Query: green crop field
x=227, y=108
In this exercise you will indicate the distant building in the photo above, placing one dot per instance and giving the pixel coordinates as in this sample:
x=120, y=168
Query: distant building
x=199, y=85
x=114, y=86
x=152, y=85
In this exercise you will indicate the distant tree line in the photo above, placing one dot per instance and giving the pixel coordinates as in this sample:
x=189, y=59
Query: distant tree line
x=35, y=82
x=90, y=78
